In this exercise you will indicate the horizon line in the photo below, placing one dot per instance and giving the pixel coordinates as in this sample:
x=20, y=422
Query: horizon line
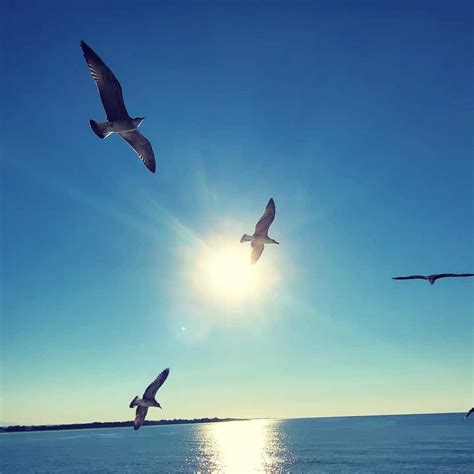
x=217, y=419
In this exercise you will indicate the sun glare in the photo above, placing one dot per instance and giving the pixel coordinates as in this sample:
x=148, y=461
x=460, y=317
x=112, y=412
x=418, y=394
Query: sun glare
x=241, y=446
x=227, y=275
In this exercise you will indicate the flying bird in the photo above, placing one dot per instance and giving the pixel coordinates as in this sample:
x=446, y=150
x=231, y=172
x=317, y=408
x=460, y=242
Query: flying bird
x=432, y=278
x=468, y=413
x=148, y=399
x=260, y=236
x=118, y=120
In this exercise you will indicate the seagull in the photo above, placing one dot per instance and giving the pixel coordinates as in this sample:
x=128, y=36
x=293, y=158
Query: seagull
x=468, y=413
x=118, y=120
x=260, y=236
x=148, y=399
x=432, y=278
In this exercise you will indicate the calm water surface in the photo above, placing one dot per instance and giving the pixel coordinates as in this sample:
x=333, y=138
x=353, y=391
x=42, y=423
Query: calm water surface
x=416, y=443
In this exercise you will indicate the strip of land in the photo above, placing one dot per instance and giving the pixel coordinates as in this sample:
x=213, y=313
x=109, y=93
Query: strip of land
x=111, y=424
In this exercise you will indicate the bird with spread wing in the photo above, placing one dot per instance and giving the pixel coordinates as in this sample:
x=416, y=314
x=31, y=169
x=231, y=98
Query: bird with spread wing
x=260, y=236
x=432, y=278
x=118, y=120
x=148, y=399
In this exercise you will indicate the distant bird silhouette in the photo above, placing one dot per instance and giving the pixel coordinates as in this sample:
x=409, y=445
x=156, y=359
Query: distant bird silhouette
x=148, y=399
x=118, y=120
x=468, y=413
x=260, y=236
x=432, y=278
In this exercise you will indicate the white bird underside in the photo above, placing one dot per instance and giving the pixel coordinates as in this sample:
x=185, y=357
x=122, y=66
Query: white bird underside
x=257, y=250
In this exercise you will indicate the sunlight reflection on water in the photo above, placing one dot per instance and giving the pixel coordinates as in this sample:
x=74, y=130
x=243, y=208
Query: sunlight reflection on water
x=240, y=446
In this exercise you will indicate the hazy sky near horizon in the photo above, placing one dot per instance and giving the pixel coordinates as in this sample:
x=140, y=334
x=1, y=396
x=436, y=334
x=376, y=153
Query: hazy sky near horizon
x=356, y=117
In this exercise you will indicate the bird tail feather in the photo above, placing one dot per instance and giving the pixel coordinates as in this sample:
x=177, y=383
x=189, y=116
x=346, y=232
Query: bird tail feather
x=101, y=129
x=245, y=238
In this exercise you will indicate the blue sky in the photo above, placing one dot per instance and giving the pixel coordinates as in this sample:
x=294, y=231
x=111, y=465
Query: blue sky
x=355, y=117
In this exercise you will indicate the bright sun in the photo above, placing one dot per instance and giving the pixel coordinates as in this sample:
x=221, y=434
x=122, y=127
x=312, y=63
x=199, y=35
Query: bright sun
x=226, y=275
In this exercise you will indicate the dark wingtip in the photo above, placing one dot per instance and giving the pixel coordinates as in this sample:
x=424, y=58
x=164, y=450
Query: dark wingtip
x=151, y=167
x=86, y=49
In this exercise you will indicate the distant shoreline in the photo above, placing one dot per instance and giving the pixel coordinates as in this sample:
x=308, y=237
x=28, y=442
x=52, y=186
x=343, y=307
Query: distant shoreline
x=127, y=424
x=110, y=424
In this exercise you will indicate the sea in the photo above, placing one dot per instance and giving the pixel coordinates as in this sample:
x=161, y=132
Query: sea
x=441, y=443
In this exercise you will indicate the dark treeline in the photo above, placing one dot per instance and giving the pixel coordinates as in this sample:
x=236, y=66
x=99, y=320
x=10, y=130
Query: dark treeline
x=110, y=424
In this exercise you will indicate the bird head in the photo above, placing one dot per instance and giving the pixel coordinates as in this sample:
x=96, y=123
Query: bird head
x=275, y=242
x=431, y=280
x=139, y=120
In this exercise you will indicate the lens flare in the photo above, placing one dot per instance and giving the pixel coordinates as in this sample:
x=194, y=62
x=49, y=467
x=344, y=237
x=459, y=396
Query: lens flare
x=227, y=275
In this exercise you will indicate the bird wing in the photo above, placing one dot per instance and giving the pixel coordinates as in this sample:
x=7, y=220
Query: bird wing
x=151, y=390
x=446, y=275
x=257, y=250
x=469, y=412
x=411, y=277
x=140, y=415
x=109, y=87
x=266, y=220
x=142, y=148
